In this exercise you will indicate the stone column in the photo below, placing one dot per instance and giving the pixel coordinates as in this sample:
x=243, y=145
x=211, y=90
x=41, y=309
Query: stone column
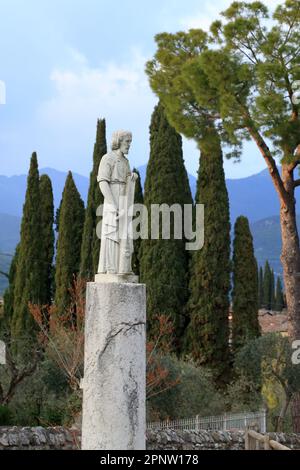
x=114, y=384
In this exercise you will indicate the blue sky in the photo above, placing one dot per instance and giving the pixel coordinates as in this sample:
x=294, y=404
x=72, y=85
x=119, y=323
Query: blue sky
x=67, y=62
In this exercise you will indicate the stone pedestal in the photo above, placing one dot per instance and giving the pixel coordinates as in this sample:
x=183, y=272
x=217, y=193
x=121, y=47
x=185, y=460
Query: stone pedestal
x=114, y=384
x=119, y=278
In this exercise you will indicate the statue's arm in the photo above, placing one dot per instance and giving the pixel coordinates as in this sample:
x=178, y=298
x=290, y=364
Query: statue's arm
x=108, y=196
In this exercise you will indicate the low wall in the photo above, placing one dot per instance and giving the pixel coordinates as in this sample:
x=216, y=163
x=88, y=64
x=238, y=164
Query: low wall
x=17, y=438
x=210, y=440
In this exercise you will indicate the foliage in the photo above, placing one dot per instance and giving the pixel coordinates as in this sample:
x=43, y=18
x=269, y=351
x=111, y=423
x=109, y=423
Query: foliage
x=28, y=276
x=71, y=219
x=279, y=302
x=157, y=375
x=207, y=334
x=260, y=287
x=240, y=78
x=268, y=288
x=42, y=400
x=47, y=238
x=195, y=394
x=245, y=325
x=18, y=368
x=6, y=416
x=269, y=360
x=90, y=247
x=164, y=262
x=244, y=395
x=8, y=297
x=64, y=339
x=138, y=199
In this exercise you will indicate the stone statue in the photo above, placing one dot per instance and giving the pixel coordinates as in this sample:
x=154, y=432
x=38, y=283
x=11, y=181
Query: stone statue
x=114, y=417
x=117, y=184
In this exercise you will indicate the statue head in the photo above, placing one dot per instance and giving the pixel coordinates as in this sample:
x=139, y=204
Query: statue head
x=121, y=140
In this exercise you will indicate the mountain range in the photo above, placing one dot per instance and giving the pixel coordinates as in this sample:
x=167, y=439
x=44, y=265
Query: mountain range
x=253, y=197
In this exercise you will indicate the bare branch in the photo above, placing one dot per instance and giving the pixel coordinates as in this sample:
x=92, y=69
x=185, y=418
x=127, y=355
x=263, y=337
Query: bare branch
x=17, y=376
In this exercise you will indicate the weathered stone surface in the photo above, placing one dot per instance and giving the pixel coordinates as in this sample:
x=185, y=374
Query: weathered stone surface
x=4, y=440
x=119, y=278
x=115, y=362
x=65, y=439
x=18, y=438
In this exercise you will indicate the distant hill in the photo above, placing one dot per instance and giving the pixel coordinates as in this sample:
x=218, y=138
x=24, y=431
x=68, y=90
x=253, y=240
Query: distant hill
x=267, y=241
x=13, y=188
x=253, y=197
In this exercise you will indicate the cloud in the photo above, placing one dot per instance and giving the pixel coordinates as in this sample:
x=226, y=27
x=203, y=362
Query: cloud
x=210, y=11
x=82, y=90
x=82, y=93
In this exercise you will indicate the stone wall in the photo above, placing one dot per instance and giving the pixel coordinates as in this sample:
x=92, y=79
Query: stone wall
x=17, y=438
x=209, y=440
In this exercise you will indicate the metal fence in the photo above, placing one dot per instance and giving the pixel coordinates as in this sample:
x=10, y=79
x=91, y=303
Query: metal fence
x=224, y=422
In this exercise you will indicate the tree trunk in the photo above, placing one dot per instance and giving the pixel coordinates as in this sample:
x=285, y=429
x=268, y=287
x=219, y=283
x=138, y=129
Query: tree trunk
x=296, y=412
x=280, y=421
x=290, y=255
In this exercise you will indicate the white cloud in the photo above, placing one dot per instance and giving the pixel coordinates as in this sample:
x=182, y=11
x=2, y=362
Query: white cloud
x=210, y=11
x=82, y=93
x=82, y=90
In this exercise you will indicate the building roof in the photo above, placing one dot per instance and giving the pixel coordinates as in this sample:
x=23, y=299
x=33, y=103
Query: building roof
x=273, y=322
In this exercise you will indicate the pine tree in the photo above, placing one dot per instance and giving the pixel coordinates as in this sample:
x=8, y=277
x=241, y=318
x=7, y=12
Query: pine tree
x=207, y=336
x=261, y=287
x=71, y=220
x=242, y=75
x=47, y=238
x=245, y=325
x=90, y=247
x=279, y=303
x=267, y=287
x=138, y=199
x=28, y=276
x=164, y=263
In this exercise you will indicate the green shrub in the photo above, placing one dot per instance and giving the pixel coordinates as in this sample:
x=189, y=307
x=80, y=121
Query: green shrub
x=6, y=416
x=195, y=394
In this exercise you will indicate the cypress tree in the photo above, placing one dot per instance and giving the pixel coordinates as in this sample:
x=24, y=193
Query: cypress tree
x=47, y=238
x=138, y=199
x=28, y=276
x=267, y=287
x=279, y=302
x=207, y=335
x=164, y=263
x=8, y=297
x=71, y=220
x=260, y=287
x=245, y=325
x=90, y=247
x=273, y=299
